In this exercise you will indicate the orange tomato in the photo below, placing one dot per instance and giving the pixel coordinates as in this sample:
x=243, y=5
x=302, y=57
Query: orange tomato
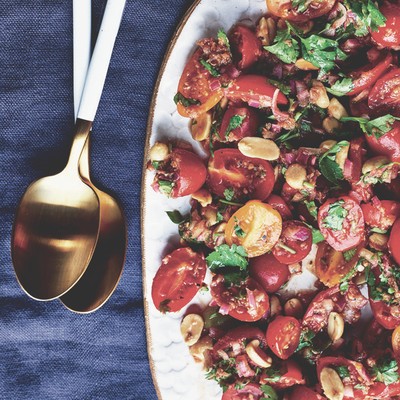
x=256, y=226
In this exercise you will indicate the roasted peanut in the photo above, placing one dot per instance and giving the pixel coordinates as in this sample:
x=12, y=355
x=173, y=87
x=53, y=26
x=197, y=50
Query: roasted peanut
x=191, y=328
x=374, y=163
x=295, y=176
x=341, y=156
x=318, y=95
x=335, y=326
x=327, y=145
x=257, y=355
x=200, y=351
x=331, y=384
x=330, y=124
x=256, y=147
x=201, y=126
x=266, y=30
x=336, y=110
x=203, y=196
x=159, y=151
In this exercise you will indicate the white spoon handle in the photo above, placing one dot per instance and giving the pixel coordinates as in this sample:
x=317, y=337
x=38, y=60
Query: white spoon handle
x=82, y=32
x=101, y=59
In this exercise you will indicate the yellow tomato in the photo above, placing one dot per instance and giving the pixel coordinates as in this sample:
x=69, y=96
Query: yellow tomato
x=256, y=226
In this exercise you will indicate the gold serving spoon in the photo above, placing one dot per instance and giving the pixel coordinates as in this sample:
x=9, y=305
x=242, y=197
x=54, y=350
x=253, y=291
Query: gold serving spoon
x=57, y=222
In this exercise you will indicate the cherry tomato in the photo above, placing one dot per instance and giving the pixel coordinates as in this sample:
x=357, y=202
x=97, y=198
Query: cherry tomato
x=231, y=130
x=363, y=78
x=388, y=144
x=246, y=177
x=383, y=315
x=381, y=214
x=245, y=46
x=331, y=266
x=294, y=243
x=183, y=173
x=305, y=393
x=280, y=205
x=254, y=90
x=251, y=391
x=290, y=374
x=269, y=272
x=178, y=279
x=384, y=97
x=388, y=35
x=256, y=226
x=194, y=86
x=251, y=307
x=394, y=242
x=341, y=222
x=283, y=336
x=355, y=160
x=284, y=9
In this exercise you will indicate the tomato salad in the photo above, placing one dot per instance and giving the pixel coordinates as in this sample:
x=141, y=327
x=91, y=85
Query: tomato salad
x=299, y=115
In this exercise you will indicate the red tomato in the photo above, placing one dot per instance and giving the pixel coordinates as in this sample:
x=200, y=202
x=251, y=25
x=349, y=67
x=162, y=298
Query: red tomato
x=183, y=173
x=290, y=375
x=251, y=307
x=305, y=393
x=355, y=160
x=341, y=222
x=381, y=214
x=388, y=144
x=194, y=86
x=178, y=279
x=365, y=77
x=247, y=126
x=384, y=97
x=254, y=90
x=394, y=242
x=269, y=272
x=284, y=9
x=245, y=46
x=248, y=177
x=280, y=205
x=251, y=391
x=283, y=336
x=294, y=244
x=383, y=315
x=389, y=35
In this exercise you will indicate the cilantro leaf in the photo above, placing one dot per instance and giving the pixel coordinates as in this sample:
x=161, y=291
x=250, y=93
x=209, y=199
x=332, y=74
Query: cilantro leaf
x=312, y=208
x=341, y=87
x=268, y=393
x=236, y=121
x=377, y=127
x=385, y=371
x=225, y=256
x=185, y=101
x=342, y=371
x=299, y=5
x=213, y=71
x=328, y=165
x=285, y=47
x=306, y=339
x=349, y=254
x=222, y=36
x=229, y=194
x=317, y=236
x=336, y=216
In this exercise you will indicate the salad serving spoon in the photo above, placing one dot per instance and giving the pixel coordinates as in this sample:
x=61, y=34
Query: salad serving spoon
x=57, y=222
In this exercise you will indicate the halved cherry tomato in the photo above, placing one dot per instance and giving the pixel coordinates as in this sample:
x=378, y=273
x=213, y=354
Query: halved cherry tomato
x=283, y=336
x=194, y=86
x=280, y=205
x=381, y=214
x=384, y=97
x=284, y=9
x=305, y=393
x=294, y=243
x=290, y=374
x=245, y=46
x=388, y=35
x=247, y=177
x=341, y=222
x=249, y=307
x=394, y=241
x=251, y=391
x=178, y=279
x=247, y=126
x=331, y=266
x=256, y=226
x=269, y=272
x=363, y=78
x=254, y=90
x=388, y=144
x=183, y=173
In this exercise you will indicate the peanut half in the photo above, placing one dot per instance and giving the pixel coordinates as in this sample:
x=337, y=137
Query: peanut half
x=335, y=326
x=191, y=328
x=201, y=126
x=331, y=384
x=257, y=355
x=295, y=176
x=256, y=147
x=159, y=152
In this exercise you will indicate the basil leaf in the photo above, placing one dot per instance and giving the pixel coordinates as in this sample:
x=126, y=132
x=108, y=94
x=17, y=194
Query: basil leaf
x=341, y=87
x=225, y=256
x=285, y=47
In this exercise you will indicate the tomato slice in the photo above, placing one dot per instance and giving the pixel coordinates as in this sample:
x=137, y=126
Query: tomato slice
x=199, y=95
x=294, y=243
x=245, y=177
x=251, y=391
x=254, y=90
x=269, y=272
x=394, y=242
x=388, y=36
x=245, y=46
x=341, y=222
x=283, y=336
x=256, y=226
x=365, y=77
x=280, y=205
x=381, y=214
x=331, y=266
x=178, y=279
x=290, y=374
x=384, y=97
x=305, y=393
x=249, y=307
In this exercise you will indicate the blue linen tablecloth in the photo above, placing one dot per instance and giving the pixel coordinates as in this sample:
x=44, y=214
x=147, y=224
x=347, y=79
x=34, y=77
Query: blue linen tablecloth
x=46, y=351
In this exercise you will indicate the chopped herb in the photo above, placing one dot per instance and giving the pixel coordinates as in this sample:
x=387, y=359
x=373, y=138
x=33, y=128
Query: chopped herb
x=377, y=127
x=342, y=371
x=272, y=374
x=235, y=122
x=176, y=217
x=341, y=87
x=306, y=339
x=299, y=5
x=285, y=47
x=268, y=393
x=336, y=216
x=210, y=68
x=220, y=217
x=377, y=230
x=312, y=208
x=224, y=38
x=385, y=371
x=284, y=247
x=317, y=236
x=287, y=136
x=165, y=187
x=229, y=194
x=155, y=164
x=230, y=203
x=225, y=256
x=285, y=89
x=328, y=165
x=239, y=232
x=349, y=254
x=185, y=101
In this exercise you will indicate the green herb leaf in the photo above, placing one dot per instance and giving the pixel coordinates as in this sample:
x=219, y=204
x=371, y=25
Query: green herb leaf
x=269, y=393
x=229, y=194
x=341, y=87
x=185, y=101
x=377, y=127
x=176, y=217
x=222, y=36
x=328, y=165
x=236, y=121
x=213, y=71
x=299, y=5
x=342, y=371
x=317, y=236
x=336, y=216
x=285, y=47
x=349, y=254
x=385, y=371
x=239, y=232
x=312, y=208
x=225, y=256
x=165, y=187
x=306, y=339
x=285, y=89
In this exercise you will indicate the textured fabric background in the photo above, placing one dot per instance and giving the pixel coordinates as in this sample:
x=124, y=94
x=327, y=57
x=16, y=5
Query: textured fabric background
x=47, y=352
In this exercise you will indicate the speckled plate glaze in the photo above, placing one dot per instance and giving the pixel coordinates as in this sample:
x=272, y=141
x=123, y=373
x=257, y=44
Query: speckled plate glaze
x=175, y=374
